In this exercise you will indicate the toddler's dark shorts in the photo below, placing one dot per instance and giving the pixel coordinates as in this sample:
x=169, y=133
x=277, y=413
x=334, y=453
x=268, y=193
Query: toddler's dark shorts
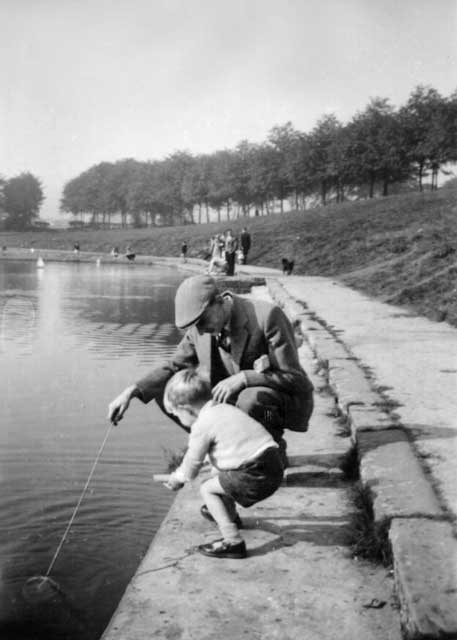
x=254, y=480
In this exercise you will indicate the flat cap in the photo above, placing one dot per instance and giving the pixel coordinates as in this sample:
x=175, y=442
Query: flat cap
x=192, y=298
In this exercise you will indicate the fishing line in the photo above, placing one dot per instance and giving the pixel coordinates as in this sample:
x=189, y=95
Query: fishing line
x=34, y=584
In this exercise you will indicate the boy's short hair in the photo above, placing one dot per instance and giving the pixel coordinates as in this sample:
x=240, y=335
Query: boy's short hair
x=186, y=387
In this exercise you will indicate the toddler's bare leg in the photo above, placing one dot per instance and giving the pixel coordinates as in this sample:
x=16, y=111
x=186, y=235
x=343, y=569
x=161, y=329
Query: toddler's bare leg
x=219, y=506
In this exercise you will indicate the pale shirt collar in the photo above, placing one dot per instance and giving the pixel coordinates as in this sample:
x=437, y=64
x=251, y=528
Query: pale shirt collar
x=228, y=324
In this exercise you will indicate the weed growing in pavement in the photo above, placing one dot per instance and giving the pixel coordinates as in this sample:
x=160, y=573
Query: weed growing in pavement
x=349, y=464
x=368, y=539
x=386, y=405
x=343, y=426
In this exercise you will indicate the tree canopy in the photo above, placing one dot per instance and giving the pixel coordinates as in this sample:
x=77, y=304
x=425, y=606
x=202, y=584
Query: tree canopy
x=21, y=199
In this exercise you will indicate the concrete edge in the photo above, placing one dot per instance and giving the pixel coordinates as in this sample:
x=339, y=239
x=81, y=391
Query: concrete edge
x=422, y=544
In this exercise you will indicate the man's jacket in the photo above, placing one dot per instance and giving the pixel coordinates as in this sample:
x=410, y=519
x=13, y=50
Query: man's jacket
x=257, y=328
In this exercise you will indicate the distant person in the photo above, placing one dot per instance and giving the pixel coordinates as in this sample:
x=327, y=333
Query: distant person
x=129, y=254
x=217, y=263
x=76, y=248
x=213, y=242
x=243, y=452
x=245, y=242
x=287, y=266
x=231, y=246
x=115, y=252
x=184, y=251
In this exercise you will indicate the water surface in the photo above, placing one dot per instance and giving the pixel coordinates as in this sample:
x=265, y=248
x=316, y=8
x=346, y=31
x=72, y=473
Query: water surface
x=72, y=336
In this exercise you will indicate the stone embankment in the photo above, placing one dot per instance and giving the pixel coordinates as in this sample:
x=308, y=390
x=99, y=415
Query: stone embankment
x=412, y=501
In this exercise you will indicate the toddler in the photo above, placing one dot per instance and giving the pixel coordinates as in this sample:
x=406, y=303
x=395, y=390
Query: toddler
x=240, y=448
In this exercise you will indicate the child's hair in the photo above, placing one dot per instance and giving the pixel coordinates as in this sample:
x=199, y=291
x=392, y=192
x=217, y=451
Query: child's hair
x=187, y=387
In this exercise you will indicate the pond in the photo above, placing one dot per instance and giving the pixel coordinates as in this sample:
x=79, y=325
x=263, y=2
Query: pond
x=72, y=336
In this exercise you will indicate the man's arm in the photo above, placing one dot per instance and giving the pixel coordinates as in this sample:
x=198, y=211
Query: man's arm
x=153, y=384
x=119, y=405
x=285, y=372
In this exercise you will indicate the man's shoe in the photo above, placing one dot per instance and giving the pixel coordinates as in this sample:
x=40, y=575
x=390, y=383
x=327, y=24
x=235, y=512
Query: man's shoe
x=206, y=514
x=223, y=549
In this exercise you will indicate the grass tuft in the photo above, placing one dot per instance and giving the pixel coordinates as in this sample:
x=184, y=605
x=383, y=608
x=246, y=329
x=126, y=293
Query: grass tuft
x=173, y=458
x=349, y=464
x=368, y=539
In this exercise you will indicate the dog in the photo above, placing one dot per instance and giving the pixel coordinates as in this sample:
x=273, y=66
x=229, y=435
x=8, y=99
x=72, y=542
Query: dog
x=287, y=266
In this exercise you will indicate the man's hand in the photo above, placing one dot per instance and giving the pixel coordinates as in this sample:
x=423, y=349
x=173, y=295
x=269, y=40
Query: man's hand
x=228, y=387
x=119, y=405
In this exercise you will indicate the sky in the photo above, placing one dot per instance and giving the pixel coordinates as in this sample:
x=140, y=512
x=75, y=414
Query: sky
x=86, y=81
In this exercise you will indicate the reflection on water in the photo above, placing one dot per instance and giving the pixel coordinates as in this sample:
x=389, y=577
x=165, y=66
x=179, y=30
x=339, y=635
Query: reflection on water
x=71, y=337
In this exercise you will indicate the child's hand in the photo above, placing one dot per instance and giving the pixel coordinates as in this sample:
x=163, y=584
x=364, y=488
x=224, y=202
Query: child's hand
x=174, y=484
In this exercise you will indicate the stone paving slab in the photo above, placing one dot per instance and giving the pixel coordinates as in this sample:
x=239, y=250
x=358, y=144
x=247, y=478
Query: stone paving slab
x=363, y=418
x=350, y=386
x=425, y=575
x=389, y=468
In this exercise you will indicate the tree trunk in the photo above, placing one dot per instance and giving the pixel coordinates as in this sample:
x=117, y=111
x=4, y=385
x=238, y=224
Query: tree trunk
x=435, y=178
x=372, y=183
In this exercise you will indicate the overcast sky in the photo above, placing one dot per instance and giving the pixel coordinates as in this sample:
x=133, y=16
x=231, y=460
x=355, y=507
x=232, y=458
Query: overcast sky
x=82, y=81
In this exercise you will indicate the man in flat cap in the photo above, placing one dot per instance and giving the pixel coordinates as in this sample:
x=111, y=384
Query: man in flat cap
x=247, y=349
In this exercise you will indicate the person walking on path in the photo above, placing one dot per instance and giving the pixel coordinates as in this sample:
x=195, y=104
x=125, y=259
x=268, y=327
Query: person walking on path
x=231, y=246
x=244, y=453
x=247, y=347
x=217, y=263
x=184, y=251
x=245, y=242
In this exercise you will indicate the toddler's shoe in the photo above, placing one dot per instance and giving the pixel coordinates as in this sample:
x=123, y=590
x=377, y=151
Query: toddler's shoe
x=224, y=549
x=206, y=514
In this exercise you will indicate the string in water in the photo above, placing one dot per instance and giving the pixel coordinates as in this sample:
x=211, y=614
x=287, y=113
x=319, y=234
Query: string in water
x=43, y=587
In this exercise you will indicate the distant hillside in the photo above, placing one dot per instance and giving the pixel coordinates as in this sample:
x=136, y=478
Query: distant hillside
x=400, y=249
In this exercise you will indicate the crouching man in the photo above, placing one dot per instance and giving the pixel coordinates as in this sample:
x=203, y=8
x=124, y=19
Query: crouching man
x=247, y=349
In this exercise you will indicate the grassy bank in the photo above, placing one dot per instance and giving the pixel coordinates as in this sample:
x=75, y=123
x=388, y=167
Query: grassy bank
x=400, y=249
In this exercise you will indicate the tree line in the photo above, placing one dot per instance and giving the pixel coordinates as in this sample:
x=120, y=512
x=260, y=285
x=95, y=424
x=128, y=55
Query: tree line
x=381, y=147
